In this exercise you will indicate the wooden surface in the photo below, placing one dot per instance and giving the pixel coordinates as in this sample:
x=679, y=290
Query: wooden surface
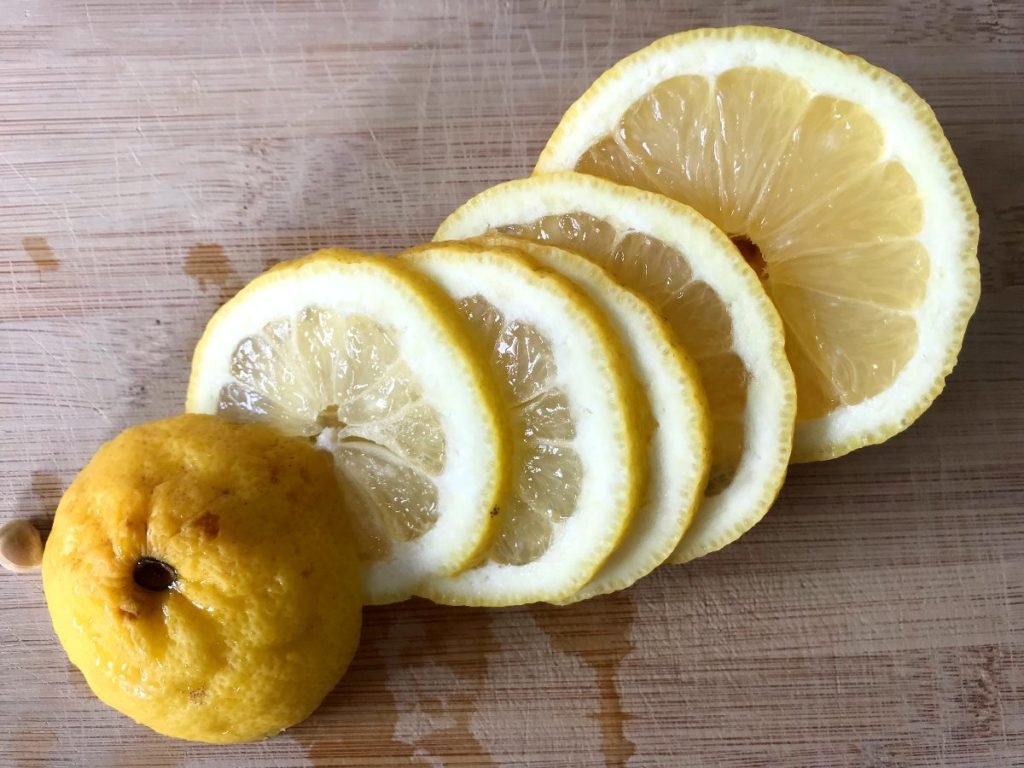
x=156, y=154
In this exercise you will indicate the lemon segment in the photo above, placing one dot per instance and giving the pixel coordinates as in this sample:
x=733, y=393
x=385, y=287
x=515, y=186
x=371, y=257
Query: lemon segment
x=364, y=357
x=837, y=179
x=577, y=419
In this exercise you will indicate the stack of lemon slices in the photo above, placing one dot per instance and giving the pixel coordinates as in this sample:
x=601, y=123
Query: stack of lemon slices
x=739, y=249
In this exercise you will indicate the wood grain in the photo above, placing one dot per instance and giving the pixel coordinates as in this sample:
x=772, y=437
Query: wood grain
x=155, y=155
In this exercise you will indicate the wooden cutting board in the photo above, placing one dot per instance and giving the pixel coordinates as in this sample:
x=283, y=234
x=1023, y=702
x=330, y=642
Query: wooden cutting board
x=157, y=154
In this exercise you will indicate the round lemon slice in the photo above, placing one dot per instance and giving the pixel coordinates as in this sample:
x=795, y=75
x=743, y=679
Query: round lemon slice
x=367, y=359
x=679, y=448
x=576, y=417
x=697, y=280
x=837, y=182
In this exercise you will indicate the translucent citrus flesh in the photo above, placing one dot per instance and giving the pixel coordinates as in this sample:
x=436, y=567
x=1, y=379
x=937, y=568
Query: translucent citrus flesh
x=338, y=379
x=546, y=470
x=806, y=180
x=695, y=313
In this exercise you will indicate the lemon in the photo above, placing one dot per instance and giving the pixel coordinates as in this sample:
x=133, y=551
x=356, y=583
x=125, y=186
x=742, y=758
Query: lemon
x=679, y=445
x=367, y=359
x=201, y=576
x=576, y=418
x=835, y=178
x=694, y=276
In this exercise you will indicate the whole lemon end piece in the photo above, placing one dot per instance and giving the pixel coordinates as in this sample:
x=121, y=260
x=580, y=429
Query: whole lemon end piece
x=202, y=576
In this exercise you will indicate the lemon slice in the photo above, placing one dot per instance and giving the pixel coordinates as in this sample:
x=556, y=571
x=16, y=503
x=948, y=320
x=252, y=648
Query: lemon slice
x=837, y=181
x=679, y=446
x=576, y=420
x=712, y=301
x=367, y=358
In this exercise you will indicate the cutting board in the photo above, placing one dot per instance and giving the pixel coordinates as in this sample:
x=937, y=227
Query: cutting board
x=157, y=154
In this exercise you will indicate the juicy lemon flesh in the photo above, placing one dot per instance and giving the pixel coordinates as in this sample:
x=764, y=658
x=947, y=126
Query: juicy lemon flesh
x=805, y=179
x=693, y=310
x=339, y=380
x=546, y=470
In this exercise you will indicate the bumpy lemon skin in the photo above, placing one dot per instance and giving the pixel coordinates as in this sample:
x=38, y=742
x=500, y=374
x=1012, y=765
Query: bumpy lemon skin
x=264, y=614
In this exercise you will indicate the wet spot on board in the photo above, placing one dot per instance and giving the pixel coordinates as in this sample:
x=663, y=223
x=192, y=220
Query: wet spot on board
x=135, y=395
x=270, y=263
x=360, y=703
x=599, y=633
x=413, y=688
x=41, y=253
x=982, y=672
x=148, y=748
x=437, y=721
x=208, y=265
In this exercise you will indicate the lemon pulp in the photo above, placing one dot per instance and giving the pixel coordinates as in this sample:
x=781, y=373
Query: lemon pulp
x=338, y=379
x=547, y=467
x=803, y=183
x=692, y=309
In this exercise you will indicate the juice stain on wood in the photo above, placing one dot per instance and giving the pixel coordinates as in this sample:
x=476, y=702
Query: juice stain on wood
x=360, y=704
x=461, y=640
x=599, y=633
x=41, y=253
x=402, y=639
x=208, y=265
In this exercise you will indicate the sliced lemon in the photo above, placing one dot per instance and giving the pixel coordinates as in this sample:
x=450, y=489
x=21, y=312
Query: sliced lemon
x=576, y=418
x=834, y=177
x=713, y=302
x=367, y=358
x=679, y=447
